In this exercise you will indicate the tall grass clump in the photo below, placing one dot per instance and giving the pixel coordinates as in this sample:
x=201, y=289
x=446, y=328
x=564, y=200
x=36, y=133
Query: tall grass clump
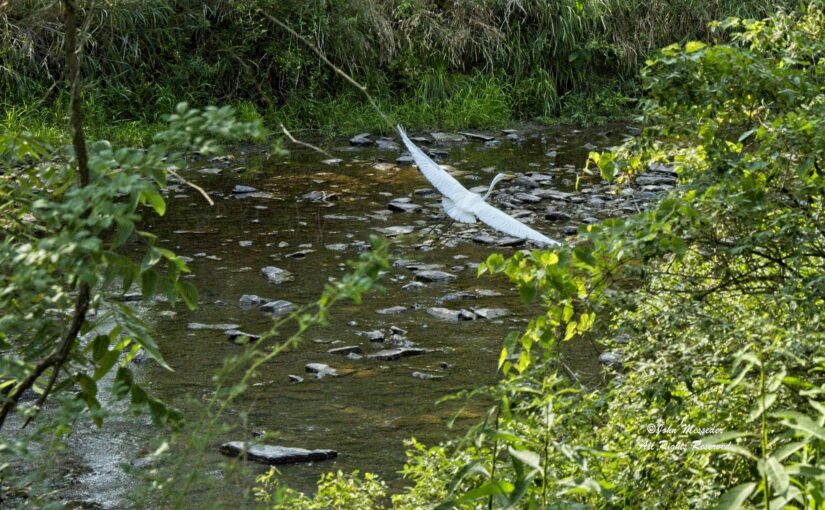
x=145, y=56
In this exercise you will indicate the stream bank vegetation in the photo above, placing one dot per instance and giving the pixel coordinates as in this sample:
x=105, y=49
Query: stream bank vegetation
x=712, y=302
x=428, y=64
x=712, y=299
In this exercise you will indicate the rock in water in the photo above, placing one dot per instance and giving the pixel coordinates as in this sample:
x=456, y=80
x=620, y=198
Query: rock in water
x=273, y=454
x=392, y=310
x=434, y=276
x=277, y=275
x=375, y=336
x=346, y=350
x=444, y=313
x=394, y=354
x=236, y=336
x=361, y=139
x=279, y=307
x=426, y=377
x=240, y=189
x=250, y=300
x=320, y=370
x=611, y=359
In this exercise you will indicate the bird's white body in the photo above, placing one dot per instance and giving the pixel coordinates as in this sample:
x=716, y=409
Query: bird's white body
x=465, y=206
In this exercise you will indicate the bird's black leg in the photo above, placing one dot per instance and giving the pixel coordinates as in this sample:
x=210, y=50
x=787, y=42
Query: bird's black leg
x=430, y=231
x=446, y=228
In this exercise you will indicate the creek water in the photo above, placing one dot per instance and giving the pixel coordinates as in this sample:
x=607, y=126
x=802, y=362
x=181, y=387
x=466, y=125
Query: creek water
x=366, y=411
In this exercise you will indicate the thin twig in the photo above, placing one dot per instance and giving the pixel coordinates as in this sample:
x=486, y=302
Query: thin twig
x=309, y=145
x=57, y=358
x=335, y=68
x=192, y=185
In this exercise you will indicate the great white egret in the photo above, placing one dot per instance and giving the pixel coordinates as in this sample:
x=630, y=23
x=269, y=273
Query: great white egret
x=463, y=205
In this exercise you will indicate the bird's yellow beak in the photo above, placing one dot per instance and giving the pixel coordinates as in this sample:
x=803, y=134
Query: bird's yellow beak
x=508, y=177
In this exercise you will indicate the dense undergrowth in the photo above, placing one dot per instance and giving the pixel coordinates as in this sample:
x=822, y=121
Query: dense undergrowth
x=429, y=64
x=714, y=298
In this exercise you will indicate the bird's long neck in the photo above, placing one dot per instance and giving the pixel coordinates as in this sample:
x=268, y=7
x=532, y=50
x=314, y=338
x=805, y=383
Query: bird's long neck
x=493, y=184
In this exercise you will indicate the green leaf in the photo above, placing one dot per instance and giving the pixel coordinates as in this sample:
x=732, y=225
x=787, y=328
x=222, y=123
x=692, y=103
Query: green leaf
x=734, y=498
x=123, y=232
x=106, y=362
x=802, y=423
x=531, y=459
x=777, y=477
x=694, y=46
x=156, y=201
x=148, y=282
x=189, y=294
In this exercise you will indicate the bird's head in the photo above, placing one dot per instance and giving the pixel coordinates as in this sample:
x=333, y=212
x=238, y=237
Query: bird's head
x=501, y=177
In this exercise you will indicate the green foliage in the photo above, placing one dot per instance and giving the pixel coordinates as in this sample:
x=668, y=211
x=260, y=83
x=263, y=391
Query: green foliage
x=70, y=250
x=713, y=297
x=452, y=64
x=180, y=461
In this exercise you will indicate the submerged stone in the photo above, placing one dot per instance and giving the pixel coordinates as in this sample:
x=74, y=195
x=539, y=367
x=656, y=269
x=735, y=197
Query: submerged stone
x=274, y=454
x=250, y=300
x=320, y=370
x=361, y=139
x=237, y=336
x=396, y=231
x=276, y=275
x=279, y=307
x=240, y=189
x=346, y=350
x=426, y=377
x=394, y=354
x=434, y=276
x=392, y=310
x=219, y=327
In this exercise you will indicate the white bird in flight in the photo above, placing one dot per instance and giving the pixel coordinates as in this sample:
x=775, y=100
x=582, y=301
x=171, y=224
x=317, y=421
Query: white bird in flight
x=463, y=205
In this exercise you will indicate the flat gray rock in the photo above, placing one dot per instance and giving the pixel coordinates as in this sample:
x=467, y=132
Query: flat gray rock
x=375, y=336
x=250, y=300
x=426, y=377
x=237, y=336
x=434, y=276
x=394, y=354
x=273, y=454
x=444, y=313
x=490, y=313
x=216, y=327
x=276, y=275
x=392, y=310
x=556, y=216
x=240, y=189
x=320, y=370
x=478, y=136
x=448, y=137
x=361, y=139
x=346, y=350
x=279, y=307
x=396, y=231
x=406, y=206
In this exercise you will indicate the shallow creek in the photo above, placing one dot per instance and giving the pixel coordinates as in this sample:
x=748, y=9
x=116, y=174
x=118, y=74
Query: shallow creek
x=371, y=406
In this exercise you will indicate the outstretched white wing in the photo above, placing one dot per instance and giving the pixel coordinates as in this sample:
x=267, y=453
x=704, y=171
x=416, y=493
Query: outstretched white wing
x=503, y=222
x=443, y=182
